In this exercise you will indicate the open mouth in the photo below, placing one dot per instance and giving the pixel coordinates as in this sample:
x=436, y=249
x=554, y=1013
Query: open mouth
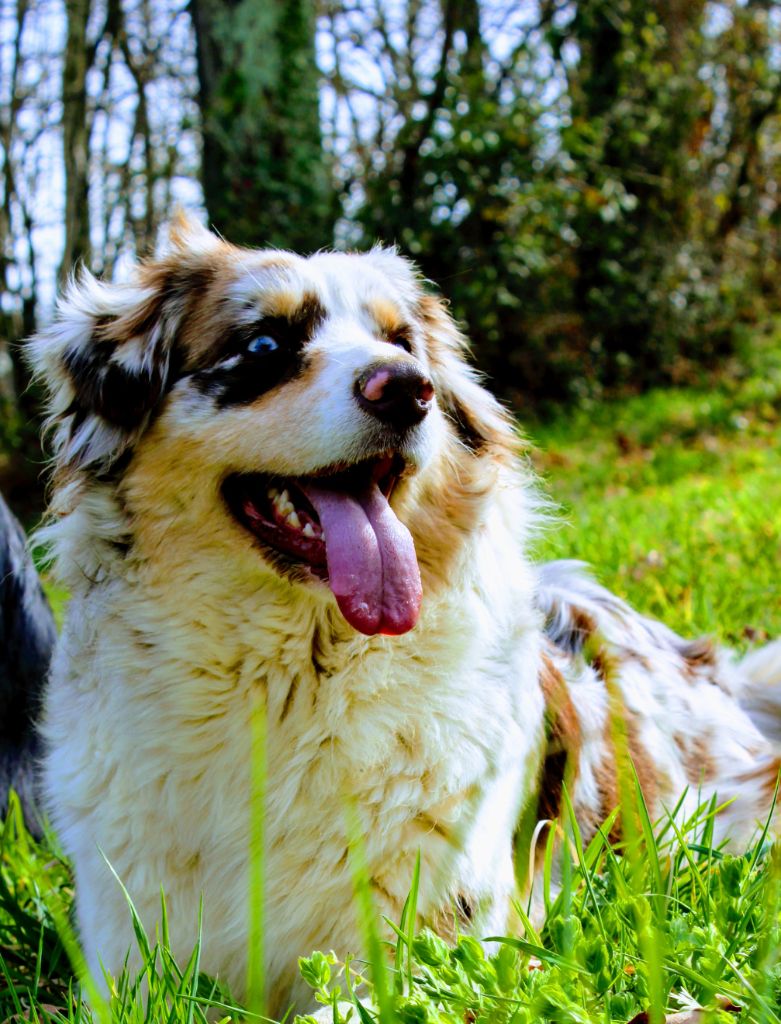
x=339, y=524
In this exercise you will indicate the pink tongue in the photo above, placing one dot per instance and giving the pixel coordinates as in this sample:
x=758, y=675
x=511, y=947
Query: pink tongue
x=372, y=566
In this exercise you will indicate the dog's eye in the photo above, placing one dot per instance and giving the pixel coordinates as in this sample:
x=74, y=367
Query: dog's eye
x=263, y=345
x=401, y=338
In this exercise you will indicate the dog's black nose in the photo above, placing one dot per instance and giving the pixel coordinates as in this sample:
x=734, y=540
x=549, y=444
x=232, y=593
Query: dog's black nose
x=397, y=393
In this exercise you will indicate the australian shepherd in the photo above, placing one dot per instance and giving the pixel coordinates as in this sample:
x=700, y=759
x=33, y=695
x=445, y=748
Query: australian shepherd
x=279, y=489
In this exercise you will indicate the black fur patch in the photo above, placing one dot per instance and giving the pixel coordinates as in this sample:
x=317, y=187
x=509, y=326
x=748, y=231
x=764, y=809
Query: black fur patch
x=468, y=432
x=118, y=393
x=309, y=315
x=464, y=909
x=243, y=383
x=249, y=375
x=401, y=337
x=122, y=394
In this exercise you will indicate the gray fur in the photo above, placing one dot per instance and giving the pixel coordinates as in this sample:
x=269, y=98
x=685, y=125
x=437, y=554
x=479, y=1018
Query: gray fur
x=27, y=635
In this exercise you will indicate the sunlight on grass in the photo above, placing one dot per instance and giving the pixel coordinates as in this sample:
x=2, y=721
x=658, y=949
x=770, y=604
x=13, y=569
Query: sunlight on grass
x=675, y=499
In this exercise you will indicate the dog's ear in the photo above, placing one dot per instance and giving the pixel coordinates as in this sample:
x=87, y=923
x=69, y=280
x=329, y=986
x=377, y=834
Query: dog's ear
x=481, y=422
x=187, y=235
x=107, y=360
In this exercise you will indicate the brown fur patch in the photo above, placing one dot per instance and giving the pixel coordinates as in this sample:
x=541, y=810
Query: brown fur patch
x=606, y=774
x=177, y=283
x=203, y=281
x=698, y=656
x=606, y=780
x=282, y=302
x=386, y=315
x=561, y=762
x=305, y=310
x=584, y=626
x=561, y=716
x=449, y=504
x=770, y=781
x=764, y=776
x=645, y=766
x=697, y=758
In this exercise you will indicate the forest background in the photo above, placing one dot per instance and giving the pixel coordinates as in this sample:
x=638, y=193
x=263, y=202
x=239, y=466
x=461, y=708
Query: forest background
x=593, y=184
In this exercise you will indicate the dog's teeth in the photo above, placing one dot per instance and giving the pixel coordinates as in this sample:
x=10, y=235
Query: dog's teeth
x=281, y=502
x=309, y=530
x=292, y=520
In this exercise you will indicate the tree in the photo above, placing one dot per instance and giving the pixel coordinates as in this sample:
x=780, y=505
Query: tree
x=97, y=141
x=75, y=137
x=24, y=69
x=264, y=173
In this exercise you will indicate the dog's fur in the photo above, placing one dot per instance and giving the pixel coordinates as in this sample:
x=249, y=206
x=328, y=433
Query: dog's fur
x=27, y=637
x=182, y=626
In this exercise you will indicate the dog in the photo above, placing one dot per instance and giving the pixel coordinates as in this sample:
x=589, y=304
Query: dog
x=280, y=489
x=27, y=637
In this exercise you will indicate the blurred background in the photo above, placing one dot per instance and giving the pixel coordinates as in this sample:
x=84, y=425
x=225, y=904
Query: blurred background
x=593, y=184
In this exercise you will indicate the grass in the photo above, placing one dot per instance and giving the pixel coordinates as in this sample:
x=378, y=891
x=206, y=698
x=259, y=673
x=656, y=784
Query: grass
x=675, y=498
x=666, y=924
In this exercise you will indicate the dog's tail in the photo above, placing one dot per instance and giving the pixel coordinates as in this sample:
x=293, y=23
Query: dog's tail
x=27, y=635
x=761, y=695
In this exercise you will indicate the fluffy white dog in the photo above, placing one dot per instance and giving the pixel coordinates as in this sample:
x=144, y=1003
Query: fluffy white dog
x=279, y=485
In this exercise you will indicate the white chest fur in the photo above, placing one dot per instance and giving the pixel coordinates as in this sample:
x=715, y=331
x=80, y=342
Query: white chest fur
x=432, y=737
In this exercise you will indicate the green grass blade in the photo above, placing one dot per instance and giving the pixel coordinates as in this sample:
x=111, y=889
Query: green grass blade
x=256, y=972
x=547, y=956
x=367, y=919
x=412, y=913
x=584, y=871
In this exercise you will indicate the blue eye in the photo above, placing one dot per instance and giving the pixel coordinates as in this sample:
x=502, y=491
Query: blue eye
x=263, y=345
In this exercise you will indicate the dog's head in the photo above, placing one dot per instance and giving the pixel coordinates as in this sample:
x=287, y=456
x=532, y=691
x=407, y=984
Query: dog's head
x=315, y=416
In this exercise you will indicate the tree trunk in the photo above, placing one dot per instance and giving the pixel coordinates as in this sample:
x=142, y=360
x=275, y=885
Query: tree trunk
x=75, y=138
x=264, y=173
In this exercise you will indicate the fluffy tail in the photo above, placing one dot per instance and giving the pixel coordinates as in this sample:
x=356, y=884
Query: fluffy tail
x=761, y=697
x=27, y=635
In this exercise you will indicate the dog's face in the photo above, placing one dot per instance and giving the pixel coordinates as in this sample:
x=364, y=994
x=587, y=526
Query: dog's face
x=317, y=412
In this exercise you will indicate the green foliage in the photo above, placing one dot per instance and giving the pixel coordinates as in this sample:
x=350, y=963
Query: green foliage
x=600, y=208
x=33, y=963
x=40, y=961
x=666, y=913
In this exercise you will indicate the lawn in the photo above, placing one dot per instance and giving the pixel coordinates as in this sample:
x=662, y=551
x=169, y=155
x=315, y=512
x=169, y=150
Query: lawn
x=675, y=498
